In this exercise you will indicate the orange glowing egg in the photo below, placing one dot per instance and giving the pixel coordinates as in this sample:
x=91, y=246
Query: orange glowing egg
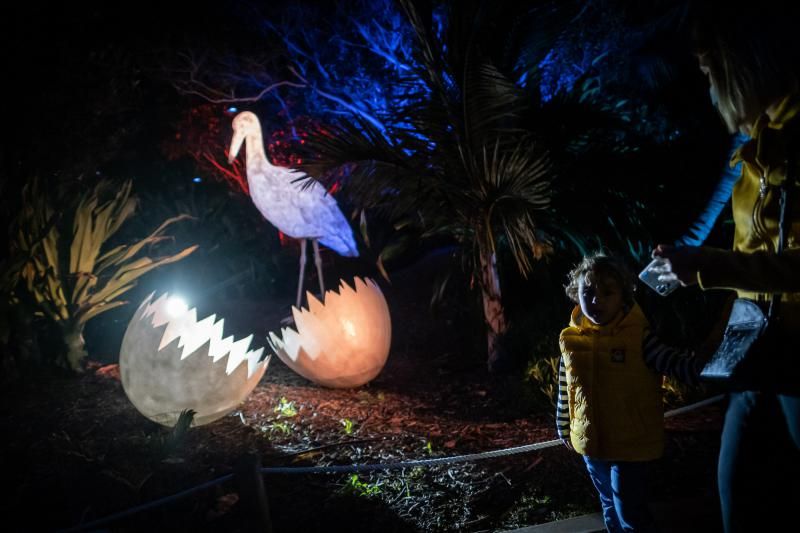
x=343, y=342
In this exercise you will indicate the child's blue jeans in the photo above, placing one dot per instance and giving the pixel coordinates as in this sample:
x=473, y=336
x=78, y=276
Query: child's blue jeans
x=622, y=486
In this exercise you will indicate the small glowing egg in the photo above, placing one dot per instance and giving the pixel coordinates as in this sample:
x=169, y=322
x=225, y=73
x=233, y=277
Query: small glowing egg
x=343, y=342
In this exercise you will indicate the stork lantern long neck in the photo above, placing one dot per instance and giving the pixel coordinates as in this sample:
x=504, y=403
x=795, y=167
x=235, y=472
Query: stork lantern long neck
x=254, y=150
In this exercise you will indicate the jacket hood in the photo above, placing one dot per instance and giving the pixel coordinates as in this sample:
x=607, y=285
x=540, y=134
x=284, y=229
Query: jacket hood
x=765, y=133
x=632, y=317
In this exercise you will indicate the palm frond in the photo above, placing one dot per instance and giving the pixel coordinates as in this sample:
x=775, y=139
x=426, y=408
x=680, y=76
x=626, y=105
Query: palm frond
x=493, y=104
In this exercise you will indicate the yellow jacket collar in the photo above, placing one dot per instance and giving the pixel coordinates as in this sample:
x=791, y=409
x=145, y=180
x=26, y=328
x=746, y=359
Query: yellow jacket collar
x=633, y=316
x=766, y=137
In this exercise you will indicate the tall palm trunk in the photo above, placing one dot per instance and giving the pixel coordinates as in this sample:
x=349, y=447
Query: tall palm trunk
x=493, y=311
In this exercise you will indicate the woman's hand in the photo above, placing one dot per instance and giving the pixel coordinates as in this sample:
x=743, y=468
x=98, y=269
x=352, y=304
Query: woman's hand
x=684, y=262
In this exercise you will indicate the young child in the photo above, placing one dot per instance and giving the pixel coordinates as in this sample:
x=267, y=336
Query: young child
x=609, y=389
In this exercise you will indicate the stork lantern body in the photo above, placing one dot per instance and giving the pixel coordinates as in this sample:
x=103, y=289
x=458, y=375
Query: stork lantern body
x=290, y=200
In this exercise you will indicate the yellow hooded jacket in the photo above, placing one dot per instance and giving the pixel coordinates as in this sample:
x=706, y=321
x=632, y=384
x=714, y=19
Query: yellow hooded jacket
x=615, y=400
x=753, y=268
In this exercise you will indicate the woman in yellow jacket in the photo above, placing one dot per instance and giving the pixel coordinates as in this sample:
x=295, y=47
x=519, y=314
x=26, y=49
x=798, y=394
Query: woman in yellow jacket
x=752, y=61
x=610, y=401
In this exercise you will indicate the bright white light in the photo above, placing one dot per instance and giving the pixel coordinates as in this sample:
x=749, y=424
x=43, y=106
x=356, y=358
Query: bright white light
x=176, y=306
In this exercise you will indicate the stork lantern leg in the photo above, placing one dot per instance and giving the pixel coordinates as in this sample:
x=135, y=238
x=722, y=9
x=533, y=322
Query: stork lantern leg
x=302, y=272
x=318, y=262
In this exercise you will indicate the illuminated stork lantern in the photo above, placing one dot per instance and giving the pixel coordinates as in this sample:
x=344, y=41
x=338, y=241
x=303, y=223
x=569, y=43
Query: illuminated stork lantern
x=170, y=362
x=341, y=342
x=293, y=202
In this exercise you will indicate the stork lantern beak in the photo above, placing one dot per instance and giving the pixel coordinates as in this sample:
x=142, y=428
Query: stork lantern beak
x=236, y=145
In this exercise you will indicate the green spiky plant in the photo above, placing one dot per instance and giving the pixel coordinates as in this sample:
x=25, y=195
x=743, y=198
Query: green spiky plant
x=72, y=275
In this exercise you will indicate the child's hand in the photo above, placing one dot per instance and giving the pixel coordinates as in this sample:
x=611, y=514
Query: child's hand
x=568, y=444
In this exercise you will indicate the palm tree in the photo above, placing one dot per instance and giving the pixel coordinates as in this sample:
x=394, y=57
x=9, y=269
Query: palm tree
x=471, y=155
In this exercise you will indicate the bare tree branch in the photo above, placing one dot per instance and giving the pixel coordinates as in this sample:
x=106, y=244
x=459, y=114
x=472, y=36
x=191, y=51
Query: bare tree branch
x=232, y=99
x=195, y=86
x=347, y=105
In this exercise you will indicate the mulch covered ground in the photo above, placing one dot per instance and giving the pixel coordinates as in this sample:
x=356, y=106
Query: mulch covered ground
x=75, y=449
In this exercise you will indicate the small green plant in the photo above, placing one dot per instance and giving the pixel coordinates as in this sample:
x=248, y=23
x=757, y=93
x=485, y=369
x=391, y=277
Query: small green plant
x=277, y=427
x=285, y=408
x=675, y=392
x=347, y=426
x=544, y=372
x=429, y=448
x=418, y=472
x=354, y=485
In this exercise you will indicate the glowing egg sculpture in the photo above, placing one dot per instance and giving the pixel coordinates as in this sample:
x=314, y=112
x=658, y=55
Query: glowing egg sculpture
x=341, y=342
x=170, y=362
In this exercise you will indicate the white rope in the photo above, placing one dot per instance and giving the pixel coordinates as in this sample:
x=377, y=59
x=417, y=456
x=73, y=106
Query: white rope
x=349, y=469
x=339, y=469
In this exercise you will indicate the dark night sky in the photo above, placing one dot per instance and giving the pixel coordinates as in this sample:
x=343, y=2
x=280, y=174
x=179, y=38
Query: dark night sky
x=86, y=77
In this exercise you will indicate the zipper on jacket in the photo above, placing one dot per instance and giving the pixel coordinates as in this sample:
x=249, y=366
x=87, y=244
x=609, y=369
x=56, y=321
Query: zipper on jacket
x=759, y=228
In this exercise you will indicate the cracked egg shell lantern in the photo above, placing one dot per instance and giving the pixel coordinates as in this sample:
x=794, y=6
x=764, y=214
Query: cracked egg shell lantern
x=341, y=343
x=170, y=362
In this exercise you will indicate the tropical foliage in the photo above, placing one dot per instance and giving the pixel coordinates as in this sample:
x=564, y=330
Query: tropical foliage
x=64, y=264
x=476, y=157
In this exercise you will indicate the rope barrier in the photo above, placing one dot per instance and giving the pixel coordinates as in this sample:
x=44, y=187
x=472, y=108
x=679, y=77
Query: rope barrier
x=697, y=405
x=149, y=505
x=348, y=469
x=351, y=469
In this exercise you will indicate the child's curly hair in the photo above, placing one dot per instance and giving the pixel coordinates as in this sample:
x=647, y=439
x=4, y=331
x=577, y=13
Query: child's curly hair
x=597, y=266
